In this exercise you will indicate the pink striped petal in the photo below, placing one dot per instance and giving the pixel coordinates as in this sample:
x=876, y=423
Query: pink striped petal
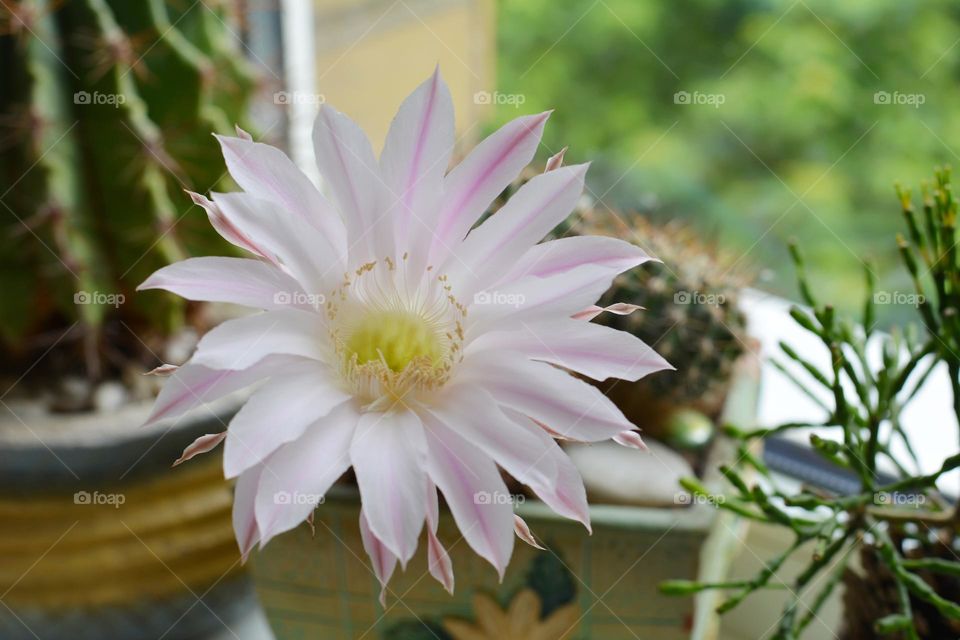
x=560, y=256
x=484, y=173
x=463, y=474
x=617, y=308
x=242, y=281
x=594, y=350
x=382, y=559
x=555, y=161
x=267, y=173
x=193, y=385
x=387, y=453
x=351, y=173
x=523, y=532
x=242, y=342
x=203, y=444
x=300, y=473
x=227, y=229
x=277, y=413
x=304, y=251
x=496, y=245
x=244, y=520
x=568, y=406
x=416, y=154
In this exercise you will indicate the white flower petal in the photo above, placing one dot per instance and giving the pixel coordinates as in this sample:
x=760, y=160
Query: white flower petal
x=244, y=520
x=299, y=473
x=193, y=385
x=228, y=230
x=569, y=407
x=416, y=154
x=203, y=444
x=463, y=472
x=242, y=281
x=383, y=560
x=303, y=250
x=492, y=248
x=242, y=342
x=267, y=173
x=277, y=413
x=560, y=256
x=522, y=529
x=438, y=560
x=388, y=452
x=473, y=184
x=351, y=173
x=594, y=350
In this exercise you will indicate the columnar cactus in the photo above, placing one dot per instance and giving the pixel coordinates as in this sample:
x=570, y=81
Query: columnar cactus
x=107, y=108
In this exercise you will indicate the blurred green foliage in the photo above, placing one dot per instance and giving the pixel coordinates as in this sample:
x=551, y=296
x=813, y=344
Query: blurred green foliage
x=790, y=137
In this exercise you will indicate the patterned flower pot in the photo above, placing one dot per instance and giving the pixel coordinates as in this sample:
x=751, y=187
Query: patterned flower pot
x=600, y=586
x=101, y=539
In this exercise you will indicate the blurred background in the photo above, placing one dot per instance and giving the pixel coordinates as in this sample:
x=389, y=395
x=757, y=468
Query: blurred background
x=746, y=123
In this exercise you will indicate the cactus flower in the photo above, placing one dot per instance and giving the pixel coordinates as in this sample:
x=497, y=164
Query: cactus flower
x=398, y=337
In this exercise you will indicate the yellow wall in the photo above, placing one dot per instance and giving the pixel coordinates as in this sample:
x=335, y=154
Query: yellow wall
x=372, y=53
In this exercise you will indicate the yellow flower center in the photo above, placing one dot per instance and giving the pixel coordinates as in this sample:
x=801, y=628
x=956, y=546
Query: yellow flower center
x=395, y=338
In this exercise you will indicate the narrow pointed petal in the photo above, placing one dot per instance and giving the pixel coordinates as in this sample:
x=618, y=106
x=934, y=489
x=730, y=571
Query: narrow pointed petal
x=162, y=370
x=438, y=560
x=463, y=473
x=631, y=440
x=568, y=406
x=388, y=452
x=351, y=173
x=203, y=444
x=562, y=255
x=523, y=532
x=242, y=281
x=300, y=473
x=277, y=413
x=193, y=385
x=484, y=173
x=617, y=308
x=242, y=342
x=303, y=250
x=555, y=161
x=416, y=154
x=496, y=245
x=228, y=230
x=594, y=350
x=244, y=520
x=383, y=560
x=267, y=173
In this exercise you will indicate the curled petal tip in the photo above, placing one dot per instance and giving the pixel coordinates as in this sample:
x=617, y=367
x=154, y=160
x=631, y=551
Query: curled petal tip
x=630, y=439
x=523, y=532
x=242, y=134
